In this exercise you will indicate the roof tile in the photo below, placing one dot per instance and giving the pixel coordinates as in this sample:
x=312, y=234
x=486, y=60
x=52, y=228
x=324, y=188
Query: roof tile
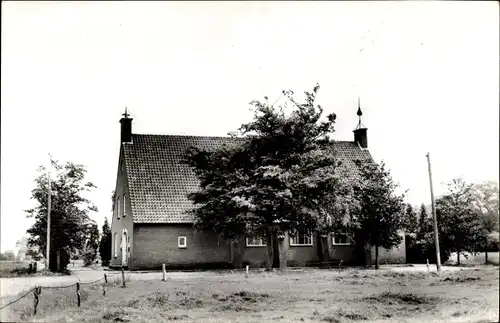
x=159, y=182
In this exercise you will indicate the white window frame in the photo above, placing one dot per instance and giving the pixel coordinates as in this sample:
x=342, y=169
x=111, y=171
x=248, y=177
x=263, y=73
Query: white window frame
x=349, y=239
x=116, y=245
x=118, y=207
x=295, y=235
x=248, y=242
x=184, y=245
x=124, y=204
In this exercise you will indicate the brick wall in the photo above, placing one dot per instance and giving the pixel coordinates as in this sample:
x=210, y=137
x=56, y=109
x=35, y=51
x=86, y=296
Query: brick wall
x=299, y=255
x=155, y=244
x=293, y=255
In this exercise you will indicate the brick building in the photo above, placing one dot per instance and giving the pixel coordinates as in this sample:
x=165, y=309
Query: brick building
x=150, y=225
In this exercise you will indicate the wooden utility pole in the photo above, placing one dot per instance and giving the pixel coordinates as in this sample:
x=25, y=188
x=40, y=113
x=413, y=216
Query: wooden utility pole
x=48, y=222
x=436, y=237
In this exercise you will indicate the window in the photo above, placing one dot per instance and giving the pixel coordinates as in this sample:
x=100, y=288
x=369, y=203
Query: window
x=301, y=239
x=118, y=206
x=255, y=242
x=341, y=239
x=124, y=205
x=182, y=242
x=116, y=245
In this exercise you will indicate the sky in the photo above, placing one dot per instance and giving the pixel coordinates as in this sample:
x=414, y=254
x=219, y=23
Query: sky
x=426, y=73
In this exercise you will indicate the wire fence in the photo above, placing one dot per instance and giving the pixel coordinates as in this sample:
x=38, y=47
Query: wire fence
x=37, y=290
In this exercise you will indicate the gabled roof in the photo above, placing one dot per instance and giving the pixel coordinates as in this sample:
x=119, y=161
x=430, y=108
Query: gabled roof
x=159, y=183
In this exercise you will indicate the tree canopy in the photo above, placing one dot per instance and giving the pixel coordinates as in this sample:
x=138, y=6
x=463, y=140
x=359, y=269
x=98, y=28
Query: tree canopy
x=69, y=211
x=380, y=217
x=459, y=225
x=283, y=175
x=91, y=245
x=105, y=243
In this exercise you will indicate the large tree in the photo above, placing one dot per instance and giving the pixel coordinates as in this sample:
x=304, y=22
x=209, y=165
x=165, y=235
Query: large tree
x=381, y=214
x=91, y=245
x=486, y=203
x=282, y=176
x=424, y=223
x=69, y=212
x=105, y=243
x=459, y=225
x=411, y=221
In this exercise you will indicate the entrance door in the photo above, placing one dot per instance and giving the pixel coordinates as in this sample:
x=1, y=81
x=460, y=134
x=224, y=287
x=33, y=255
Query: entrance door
x=124, y=248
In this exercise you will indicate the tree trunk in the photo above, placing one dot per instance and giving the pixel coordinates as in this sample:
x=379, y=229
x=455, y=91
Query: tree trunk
x=58, y=260
x=367, y=255
x=376, y=257
x=458, y=258
x=276, y=251
x=270, y=250
x=486, y=257
x=319, y=244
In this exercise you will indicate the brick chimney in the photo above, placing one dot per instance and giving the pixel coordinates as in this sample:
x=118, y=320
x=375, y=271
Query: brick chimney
x=360, y=136
x=126, y=128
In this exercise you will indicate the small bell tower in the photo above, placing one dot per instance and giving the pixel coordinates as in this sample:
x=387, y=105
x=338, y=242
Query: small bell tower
x=126, y=127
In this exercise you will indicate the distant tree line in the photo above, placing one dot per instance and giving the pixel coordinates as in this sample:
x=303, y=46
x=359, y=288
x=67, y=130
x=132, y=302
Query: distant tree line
x=467, y=217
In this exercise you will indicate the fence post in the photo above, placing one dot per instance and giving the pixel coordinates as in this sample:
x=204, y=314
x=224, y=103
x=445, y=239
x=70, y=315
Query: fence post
x=164, y=272
x=36, y=291
x=427, y=265
x=78, y=293
x=104, y=285
x=123, y=278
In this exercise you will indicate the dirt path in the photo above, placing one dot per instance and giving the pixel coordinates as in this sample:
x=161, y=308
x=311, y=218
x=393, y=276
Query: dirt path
x=15, y=285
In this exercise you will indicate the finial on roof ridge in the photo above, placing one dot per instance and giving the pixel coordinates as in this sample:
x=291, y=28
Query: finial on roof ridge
x=359, y=113
x=126, y=113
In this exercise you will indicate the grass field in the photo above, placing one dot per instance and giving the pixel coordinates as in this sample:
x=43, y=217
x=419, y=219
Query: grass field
x=20, y=268
x=467, y=295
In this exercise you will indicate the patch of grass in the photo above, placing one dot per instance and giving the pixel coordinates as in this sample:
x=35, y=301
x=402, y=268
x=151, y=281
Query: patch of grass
x=233, y=308
x=176, y=317
x=238, y=301
x=460, y=279
x=115, y=316
x=190, y=302
x=20, y=269
x=158, y=299
x=339, y=315
x=330, y=295
x=241, y=296
x=403, y=298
